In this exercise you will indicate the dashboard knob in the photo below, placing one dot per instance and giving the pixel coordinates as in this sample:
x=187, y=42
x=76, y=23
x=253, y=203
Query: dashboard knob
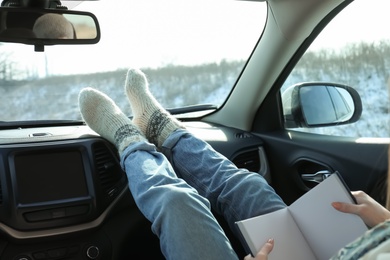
x=93, y=252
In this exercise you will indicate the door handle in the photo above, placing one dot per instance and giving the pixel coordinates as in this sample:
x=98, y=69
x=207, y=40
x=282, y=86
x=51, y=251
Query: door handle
x=317, y=177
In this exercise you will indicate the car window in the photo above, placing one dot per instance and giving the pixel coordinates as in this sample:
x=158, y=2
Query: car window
x=354, y=49
x=192, y=53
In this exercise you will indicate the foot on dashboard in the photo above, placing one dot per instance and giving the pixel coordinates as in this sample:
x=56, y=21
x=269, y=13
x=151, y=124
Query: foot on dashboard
x=104, y=117
x=153, y=120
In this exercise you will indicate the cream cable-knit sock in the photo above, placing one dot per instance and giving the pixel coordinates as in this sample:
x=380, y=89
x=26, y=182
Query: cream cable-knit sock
x=153, y=120
x=103, y=116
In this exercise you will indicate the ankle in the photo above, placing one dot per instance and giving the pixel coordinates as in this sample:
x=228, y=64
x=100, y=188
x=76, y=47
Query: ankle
x=127, y=135
x=153, y=120
x=160, y=126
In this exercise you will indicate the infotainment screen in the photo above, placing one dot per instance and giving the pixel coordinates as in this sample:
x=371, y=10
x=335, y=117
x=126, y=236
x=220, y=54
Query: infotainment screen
x=49, y=176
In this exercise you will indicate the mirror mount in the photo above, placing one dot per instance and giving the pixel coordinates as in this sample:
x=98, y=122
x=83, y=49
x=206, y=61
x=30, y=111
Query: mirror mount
x=39, y=48
x=45, y=4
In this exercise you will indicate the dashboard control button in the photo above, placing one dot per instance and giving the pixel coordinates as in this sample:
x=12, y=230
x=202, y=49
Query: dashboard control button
x=58, y=252
x=24, y=257
x=50, y=214
x=76, y=210
x=58, y=213
x=39, y=255
x=38, y=216
x=93, y=252
x=73, y=250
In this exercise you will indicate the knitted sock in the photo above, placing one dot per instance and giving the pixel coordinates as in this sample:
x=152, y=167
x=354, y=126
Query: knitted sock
x=103, y=116
x=153, y=120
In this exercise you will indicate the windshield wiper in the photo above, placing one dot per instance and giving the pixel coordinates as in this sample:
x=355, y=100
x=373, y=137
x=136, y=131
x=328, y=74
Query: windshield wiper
x=191, y=109
x=38, y=123
x=48, y=123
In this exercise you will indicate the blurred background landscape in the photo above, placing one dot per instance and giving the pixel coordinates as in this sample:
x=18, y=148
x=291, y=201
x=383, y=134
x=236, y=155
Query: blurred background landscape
x=361, y=66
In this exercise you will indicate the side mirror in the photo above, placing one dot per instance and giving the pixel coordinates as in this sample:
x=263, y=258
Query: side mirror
x=40, y=27
x=319, y=104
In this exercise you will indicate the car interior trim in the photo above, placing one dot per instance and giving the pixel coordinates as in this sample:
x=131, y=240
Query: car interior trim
x=23, y=235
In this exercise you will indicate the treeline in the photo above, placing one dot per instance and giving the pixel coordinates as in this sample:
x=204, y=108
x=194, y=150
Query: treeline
x=353, y=59
x=332, y=65
x=363, y=66
x=204, y=82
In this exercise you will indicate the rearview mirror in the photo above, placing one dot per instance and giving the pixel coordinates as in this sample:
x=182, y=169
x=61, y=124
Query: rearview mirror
x=318, y=104
x=42, y=27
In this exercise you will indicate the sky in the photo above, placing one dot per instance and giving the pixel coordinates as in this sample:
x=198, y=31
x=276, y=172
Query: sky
x=358, y=19
x=154, y=34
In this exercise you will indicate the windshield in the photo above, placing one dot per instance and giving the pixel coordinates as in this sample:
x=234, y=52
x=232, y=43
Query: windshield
x=191, y=51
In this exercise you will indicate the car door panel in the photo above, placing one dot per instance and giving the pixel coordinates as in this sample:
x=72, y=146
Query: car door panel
x=290, y=154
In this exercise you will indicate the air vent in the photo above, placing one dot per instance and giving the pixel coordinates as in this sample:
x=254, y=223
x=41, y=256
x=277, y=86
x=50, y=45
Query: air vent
x=108, y=169
x=249, y=160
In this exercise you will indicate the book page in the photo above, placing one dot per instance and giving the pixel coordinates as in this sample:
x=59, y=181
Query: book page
x=289, y=242
x=326, y=230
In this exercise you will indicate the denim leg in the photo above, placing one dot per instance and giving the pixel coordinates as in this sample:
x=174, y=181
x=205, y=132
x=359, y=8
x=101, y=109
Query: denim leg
x=180, y=217
x=234, y=193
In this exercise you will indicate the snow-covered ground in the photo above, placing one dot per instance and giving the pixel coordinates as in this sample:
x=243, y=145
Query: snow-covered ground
x=56, y=97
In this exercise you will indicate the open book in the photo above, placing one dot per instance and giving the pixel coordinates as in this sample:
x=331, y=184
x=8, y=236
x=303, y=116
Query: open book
x=308, y=229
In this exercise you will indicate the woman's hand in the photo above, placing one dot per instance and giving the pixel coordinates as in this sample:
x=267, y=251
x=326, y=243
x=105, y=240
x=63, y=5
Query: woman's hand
x=369, y=210
x=264, y=251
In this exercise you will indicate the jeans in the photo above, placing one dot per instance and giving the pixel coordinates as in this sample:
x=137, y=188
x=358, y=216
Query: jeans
x=176, y=189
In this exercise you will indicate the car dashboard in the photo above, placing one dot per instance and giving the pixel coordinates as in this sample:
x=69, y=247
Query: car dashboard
x=65, y=196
